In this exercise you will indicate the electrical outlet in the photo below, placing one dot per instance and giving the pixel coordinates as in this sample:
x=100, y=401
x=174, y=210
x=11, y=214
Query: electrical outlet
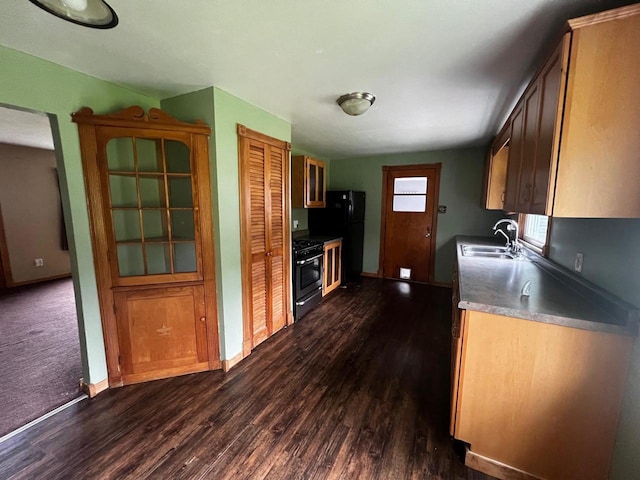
x=295, y=224
x=39, y=262
x=579, y=261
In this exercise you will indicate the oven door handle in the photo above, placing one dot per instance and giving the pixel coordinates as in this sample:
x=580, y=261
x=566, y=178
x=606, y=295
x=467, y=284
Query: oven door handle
x=300, y=304
x=302, y=262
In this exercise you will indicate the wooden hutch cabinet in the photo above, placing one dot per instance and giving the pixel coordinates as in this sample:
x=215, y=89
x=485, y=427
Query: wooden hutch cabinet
x=147, y=181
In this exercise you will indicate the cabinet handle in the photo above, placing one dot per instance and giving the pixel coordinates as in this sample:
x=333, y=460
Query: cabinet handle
x=502, y=197
x=269, y=254
x=203, y=319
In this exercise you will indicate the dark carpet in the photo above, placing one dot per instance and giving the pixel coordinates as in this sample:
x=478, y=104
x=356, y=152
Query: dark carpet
x=39, y=351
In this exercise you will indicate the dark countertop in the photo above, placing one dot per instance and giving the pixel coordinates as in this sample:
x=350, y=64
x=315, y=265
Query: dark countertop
x=494, y=285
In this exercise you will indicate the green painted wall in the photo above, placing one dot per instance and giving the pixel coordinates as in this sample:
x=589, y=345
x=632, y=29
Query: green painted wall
x=610, y=261
x=460, y=191
x=31, y=83
x=228, y=112
x=223, y=112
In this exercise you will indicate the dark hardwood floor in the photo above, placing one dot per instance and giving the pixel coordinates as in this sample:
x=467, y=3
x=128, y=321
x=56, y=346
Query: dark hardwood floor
x=358, y=389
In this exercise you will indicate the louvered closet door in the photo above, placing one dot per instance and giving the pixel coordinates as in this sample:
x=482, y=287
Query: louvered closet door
x=277, y=234
x=264, y=176
x=258, y=221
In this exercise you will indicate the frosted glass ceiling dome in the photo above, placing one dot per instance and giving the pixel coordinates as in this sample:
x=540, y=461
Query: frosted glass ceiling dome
x=89, y=13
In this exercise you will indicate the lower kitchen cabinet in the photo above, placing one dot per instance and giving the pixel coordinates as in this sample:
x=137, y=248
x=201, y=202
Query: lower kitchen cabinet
x=536, y=400
x=332, y=266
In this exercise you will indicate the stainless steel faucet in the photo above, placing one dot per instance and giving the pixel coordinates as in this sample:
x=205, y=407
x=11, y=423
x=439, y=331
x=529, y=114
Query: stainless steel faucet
x=514, y=246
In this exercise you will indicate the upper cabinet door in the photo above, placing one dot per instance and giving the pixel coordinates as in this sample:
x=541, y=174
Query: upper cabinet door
x=152, y=211
x=516, y=147
x=308, y=182
x=315, y=183
x=530, y=145
x=552, y=83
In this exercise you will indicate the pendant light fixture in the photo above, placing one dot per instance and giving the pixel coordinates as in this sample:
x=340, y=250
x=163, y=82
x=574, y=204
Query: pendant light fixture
x=356, y=103
x=89, y=13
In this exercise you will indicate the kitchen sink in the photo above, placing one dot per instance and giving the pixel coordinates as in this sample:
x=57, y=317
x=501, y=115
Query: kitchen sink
x=466, y=249
x=487, y=252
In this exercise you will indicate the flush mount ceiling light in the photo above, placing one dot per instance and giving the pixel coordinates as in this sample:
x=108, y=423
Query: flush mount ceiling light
x=356, y=103
x=90, y=13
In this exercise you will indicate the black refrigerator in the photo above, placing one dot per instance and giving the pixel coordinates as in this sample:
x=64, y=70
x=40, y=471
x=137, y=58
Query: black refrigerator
x=343, y=217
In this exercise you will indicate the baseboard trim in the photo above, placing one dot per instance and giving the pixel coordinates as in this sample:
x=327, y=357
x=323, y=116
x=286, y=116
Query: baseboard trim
x=441, y=284
x=38, y=280
x=93, y=389
x=232, y=362
x=495, y=468
x=369, y=275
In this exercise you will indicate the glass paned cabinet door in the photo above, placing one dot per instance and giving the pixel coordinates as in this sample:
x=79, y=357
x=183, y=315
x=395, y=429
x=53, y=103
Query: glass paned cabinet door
x=152, y=206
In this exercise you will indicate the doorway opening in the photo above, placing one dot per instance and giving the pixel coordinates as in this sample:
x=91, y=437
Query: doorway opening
x=39, y=338
x=409, y=222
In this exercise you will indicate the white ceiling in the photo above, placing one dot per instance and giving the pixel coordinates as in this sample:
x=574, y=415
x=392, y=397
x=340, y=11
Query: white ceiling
x=29, y=129
x=445, y=72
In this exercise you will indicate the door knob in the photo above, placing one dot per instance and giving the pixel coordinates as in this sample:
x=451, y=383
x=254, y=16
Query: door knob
x=428, y=234
x=203, y=319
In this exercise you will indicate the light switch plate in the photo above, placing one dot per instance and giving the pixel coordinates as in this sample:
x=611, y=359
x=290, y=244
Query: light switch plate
x=579, y=261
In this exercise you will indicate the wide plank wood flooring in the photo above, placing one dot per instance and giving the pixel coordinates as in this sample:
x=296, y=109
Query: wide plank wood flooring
x=358, y=389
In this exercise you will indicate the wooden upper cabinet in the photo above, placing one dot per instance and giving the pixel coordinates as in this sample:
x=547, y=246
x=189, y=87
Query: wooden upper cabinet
x=575, y=140
x=533, y=136
x=598, y=170
x=309, y=182
x=497, y=170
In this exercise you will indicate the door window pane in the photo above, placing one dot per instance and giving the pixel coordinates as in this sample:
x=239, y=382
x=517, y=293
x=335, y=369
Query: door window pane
x=409, y=203
x=130, y=260
x=410, y=185
x=120, y=155
x=184, y=257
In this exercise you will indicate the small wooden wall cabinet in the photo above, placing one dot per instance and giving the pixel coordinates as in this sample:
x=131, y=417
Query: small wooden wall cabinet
x=536, y=400
x=308, y=182
x=332, y=266
x=574, y=142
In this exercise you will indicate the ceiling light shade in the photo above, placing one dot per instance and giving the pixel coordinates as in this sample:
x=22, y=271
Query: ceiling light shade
x=356, y=103
x=90, y=13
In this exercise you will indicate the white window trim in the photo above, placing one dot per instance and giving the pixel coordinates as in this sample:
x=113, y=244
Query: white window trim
x=532, y=244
